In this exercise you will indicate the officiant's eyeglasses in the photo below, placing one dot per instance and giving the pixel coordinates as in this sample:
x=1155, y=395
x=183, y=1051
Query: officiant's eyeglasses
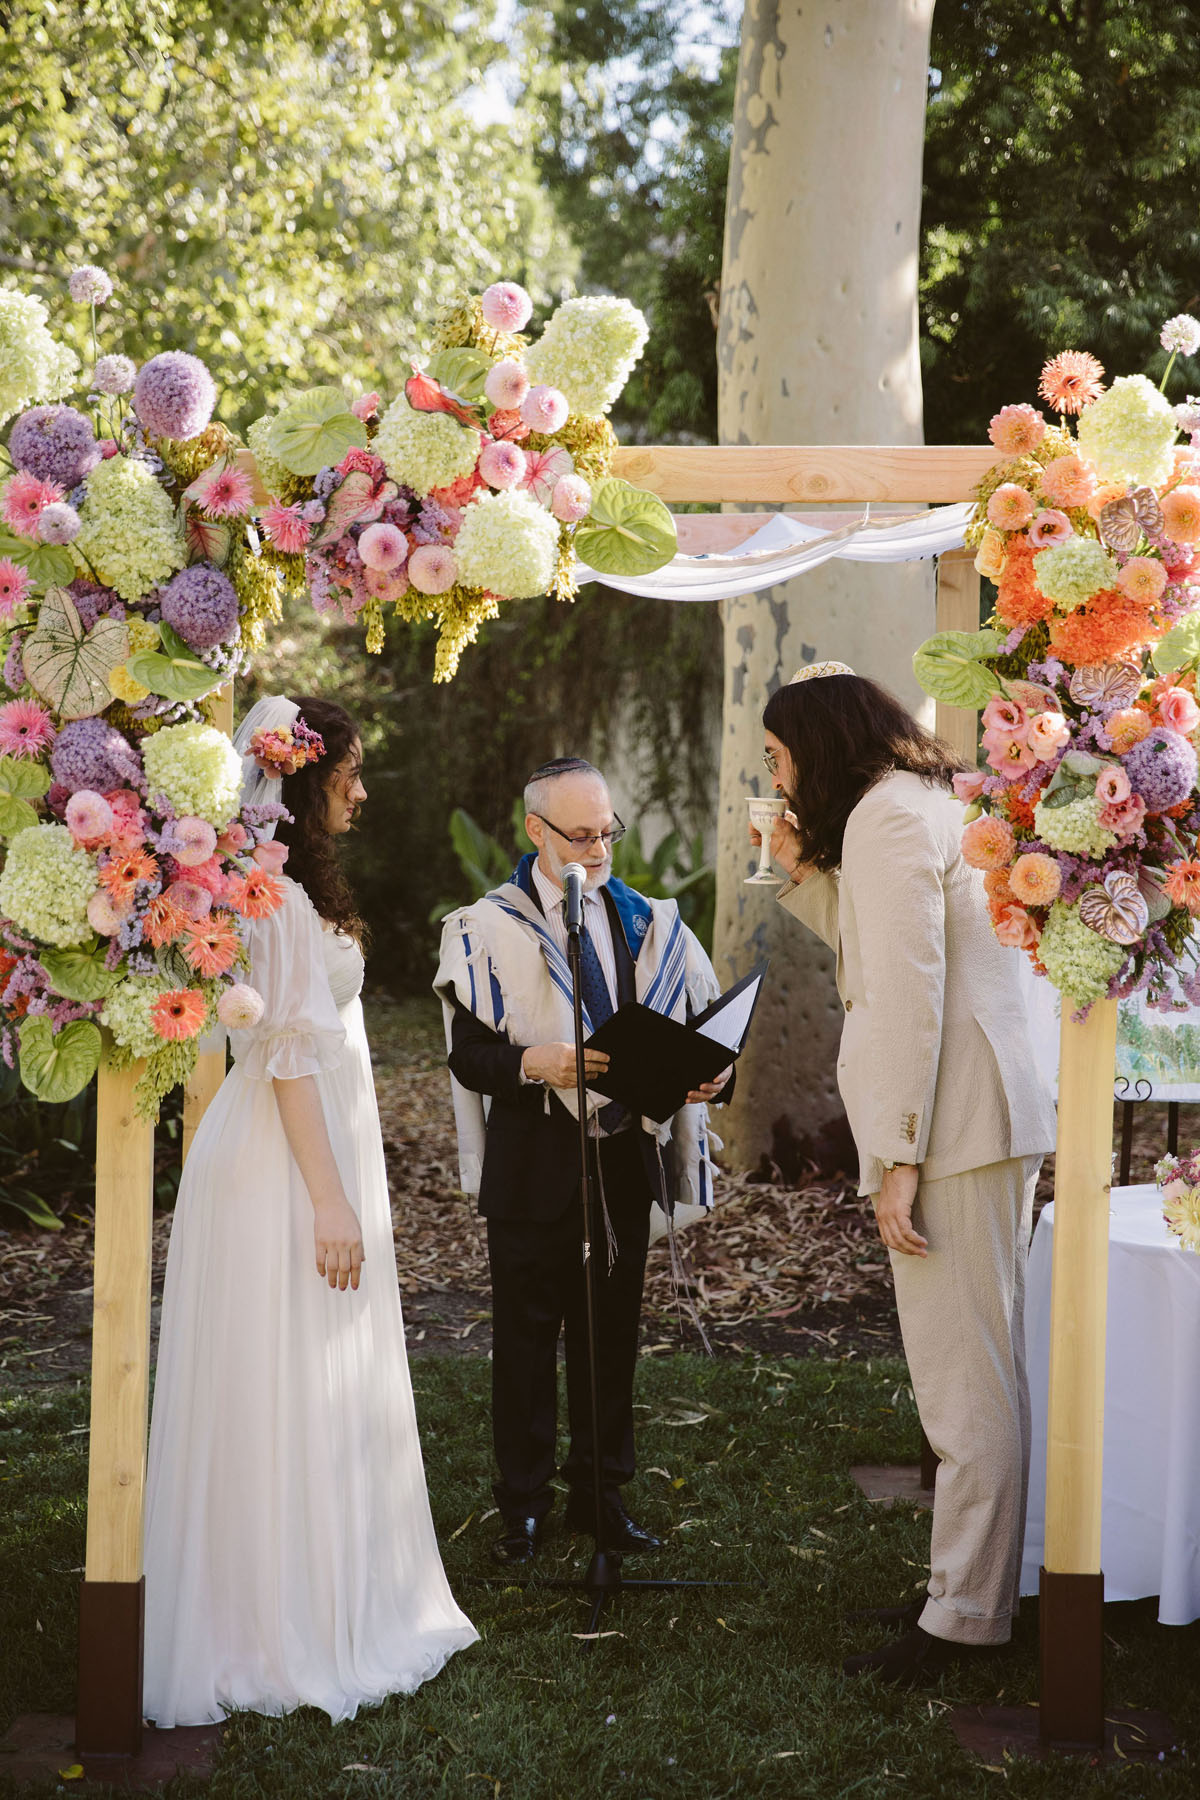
x=583, y=840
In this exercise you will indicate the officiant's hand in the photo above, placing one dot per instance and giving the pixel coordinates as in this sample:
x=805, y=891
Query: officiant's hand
x=337, y=1236
x=893, y=1211
x=708, y=1091
x=555, y=1064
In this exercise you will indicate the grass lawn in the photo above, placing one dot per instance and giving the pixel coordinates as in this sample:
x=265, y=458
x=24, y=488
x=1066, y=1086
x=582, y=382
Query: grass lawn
x=731, y=1692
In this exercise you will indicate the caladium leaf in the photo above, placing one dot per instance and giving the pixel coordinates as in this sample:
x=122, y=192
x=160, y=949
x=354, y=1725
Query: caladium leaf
x=207, y=540
x=58, y=1065
x=357, y=499
x=68, y=666
x=20, y=782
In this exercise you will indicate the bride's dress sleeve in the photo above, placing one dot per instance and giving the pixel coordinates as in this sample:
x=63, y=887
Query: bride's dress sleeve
x=299, y=1032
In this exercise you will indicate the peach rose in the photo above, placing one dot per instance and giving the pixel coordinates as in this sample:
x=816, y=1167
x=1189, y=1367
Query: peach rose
x=1178, y=711
x=1181, y=515
x=1047, y=733
x=990, y=556
x=1014, y=927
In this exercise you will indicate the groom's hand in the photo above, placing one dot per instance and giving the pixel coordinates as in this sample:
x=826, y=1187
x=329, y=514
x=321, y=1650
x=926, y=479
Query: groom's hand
x=555, y=1064
x=893, y=1211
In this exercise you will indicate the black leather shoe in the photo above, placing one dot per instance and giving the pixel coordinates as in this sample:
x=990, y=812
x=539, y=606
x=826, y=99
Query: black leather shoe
x=621, y=1533
x=915, y=1660
x=891, y=1618
x=518, y=1542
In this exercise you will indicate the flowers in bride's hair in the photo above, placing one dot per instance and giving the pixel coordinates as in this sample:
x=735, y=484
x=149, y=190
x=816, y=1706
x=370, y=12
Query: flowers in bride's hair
x=1071, y=380
x=286, y=749
x=1035, y=879
x=1016, y=430
x=179, y=1013
x=240, y=1007
x=988, y=842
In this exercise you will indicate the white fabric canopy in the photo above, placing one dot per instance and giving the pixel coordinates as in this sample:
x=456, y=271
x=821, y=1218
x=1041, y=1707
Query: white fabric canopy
x=786, y=546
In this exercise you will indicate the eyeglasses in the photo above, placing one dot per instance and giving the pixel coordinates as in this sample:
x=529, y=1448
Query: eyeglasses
x=772, y=761
x=584, y=840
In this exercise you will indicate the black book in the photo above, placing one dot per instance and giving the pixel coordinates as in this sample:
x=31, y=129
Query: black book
x=656, y=1062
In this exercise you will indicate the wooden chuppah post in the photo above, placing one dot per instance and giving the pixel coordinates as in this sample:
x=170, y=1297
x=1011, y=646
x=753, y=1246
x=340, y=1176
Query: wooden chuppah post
x=1072, y=1587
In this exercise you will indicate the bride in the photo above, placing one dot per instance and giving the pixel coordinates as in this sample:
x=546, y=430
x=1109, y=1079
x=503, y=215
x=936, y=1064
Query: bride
x=290, y=1554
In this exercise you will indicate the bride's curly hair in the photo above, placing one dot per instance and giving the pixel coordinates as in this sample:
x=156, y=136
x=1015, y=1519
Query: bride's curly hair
x=312, y=858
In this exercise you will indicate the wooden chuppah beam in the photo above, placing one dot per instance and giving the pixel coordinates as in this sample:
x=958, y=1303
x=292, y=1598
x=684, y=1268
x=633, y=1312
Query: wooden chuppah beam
x=927, y=474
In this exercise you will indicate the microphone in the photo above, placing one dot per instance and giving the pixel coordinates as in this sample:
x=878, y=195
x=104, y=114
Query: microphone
x=574, y=876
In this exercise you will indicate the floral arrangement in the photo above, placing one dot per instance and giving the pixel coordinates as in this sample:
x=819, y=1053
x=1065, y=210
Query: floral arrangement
x=1179, y=1179
x=483, y=481
x=1085, y=816
x=132, y=586
x=287, y=749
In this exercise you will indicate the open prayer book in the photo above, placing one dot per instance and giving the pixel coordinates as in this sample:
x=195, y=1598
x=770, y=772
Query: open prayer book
x=656, y=1062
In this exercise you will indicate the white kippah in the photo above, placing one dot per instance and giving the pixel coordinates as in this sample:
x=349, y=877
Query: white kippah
x=814, y=671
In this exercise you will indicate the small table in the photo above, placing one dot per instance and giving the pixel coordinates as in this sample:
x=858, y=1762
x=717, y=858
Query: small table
x=1150, y=1521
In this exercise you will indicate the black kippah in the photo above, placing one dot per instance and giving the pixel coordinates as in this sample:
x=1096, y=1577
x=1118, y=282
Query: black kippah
x=562, y=765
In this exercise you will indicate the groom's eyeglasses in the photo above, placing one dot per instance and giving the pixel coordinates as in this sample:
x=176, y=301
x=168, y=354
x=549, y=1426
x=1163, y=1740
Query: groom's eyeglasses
x=583, y=840
x=772, y=761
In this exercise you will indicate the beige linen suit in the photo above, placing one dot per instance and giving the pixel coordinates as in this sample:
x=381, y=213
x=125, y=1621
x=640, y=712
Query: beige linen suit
x=935, y=1068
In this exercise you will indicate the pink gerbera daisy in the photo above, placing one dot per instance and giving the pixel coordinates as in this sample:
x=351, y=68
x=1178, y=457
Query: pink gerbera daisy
x=285, y=528
x=14, y=586
x=223, y=491
x=25, y=729
x=25, y=499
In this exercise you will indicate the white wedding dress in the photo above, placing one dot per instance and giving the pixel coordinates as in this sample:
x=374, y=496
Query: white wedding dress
x=290, y=1554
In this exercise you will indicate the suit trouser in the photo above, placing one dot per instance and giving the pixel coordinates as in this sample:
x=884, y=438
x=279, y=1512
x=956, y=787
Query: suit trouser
x=538, y=1288
x=962, y=1320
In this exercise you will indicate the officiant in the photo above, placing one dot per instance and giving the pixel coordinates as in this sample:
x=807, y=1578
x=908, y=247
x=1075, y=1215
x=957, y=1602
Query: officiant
x=505, y=985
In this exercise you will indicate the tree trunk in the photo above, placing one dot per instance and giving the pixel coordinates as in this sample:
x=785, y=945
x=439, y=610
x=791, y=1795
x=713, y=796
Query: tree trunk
x=817, y=344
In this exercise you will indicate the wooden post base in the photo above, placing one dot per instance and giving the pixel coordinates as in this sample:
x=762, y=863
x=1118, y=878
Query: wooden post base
x=1072, y=1661
x=108, y=1717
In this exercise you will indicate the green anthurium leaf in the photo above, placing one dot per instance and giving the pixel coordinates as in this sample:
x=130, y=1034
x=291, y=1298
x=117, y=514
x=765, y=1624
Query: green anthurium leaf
x=315, y=429
x=176, y=673
x=1180, y=649
x=47, y=565
x=57, y=1066
x=79, y=974
x=68, y=666
x=463, y=371
x=15, y=815
x=627, y=532
x=20, y=782
x=947, y=666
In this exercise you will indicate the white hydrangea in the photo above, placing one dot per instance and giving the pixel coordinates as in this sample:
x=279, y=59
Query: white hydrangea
x=1077, y=959
x=34, y=367
x=587, y=350
x=126, y=1012
x=1075, y=828
x=198, y=770
x=129, y=535
x=507, y=544
x=274, y=474
x=46, y=885
x=1128, y=433
x=423, y=450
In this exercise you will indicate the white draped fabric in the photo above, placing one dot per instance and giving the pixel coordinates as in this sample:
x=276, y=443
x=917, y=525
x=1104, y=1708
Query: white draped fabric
x=787, y=546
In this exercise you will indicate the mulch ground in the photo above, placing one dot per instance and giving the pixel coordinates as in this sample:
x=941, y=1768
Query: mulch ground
x=780, y=1268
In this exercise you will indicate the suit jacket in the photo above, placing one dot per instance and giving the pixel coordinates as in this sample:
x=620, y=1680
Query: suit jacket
x=935, y=1065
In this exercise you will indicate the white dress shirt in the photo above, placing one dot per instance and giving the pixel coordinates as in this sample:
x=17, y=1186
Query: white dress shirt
x=595, y=918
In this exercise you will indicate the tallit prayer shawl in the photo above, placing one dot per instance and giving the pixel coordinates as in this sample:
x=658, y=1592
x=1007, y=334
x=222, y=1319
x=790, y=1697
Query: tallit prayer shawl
x=500, y=962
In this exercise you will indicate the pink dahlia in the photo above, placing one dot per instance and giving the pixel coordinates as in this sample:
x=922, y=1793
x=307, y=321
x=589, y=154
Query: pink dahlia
x=14, y=586
x=191, y=898
x=25, y=728
x=1049, y=527
x=1069, y=481
x=432, y=568
x=1142, y=579
x=502, y=465
x=240, y=1007
x=285, y=528
x=104, y=915
x=89, y=816
x=386, y=584
x=25, y=499
x=1010, y=507
x=191, y=842
x=505, y=306
x=223, y=491
x=571, y=499
x=506, y=385
x=545, y=408
x=988, y=842
x=59, y=523
x=383, y=547
x=1035, y=879
x=1016, y=430
x=1181, y=515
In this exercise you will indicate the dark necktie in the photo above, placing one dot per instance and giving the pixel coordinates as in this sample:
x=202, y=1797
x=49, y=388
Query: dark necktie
x=598, y=1002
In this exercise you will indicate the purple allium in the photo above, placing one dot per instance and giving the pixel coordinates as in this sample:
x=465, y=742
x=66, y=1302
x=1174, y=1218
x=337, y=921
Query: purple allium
x=1162, y=769
x=55, y=443
x=90, y=285
x=114, y=374
x=88, y=753
x=91, y=600
x=174, y=395
x=14, y=667
x=59, y=523
x=201, y=605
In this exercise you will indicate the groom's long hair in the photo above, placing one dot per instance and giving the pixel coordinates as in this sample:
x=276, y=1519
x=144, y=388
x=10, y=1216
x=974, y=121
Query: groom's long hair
x=312, y=857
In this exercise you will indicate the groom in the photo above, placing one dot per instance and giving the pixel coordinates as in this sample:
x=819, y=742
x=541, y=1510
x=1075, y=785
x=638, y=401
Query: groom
x=506, y=991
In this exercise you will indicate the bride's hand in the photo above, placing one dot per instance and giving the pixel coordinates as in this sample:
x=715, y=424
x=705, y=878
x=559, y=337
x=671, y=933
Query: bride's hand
x=337, y=1236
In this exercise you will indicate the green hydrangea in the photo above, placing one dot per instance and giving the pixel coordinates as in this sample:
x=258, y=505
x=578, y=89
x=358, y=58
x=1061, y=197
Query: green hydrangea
x=129, y=536
x=507, y=544
x=1071, y=573
x=34, y=367
x=1075, y=828
x=1128, y=433
x=587, y=351
x=1077, y=959
x=275, y=477
x=46, y=885
x=198, y=770
x=126, y=1012
x=424, y=451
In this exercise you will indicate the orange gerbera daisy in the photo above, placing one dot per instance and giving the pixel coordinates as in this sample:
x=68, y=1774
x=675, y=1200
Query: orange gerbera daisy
x=121, y=875
x=1106, y=626
x=1071, y=380
x=1183, y=885
x=179, y=1014
x=1019, y=600
x=163, y=921
x=256, y=895
x=211, y=945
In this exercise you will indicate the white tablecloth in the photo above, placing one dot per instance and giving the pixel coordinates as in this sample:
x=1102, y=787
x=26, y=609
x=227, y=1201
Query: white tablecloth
x=1150, y=1527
